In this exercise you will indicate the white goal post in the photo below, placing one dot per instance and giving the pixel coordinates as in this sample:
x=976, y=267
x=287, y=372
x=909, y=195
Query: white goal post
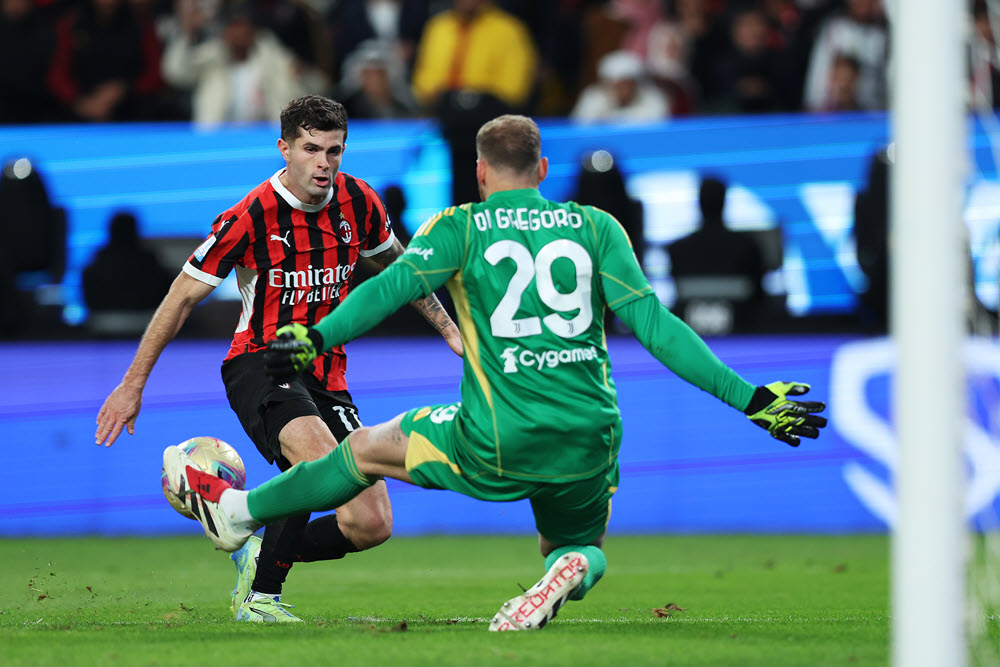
x=927, y=277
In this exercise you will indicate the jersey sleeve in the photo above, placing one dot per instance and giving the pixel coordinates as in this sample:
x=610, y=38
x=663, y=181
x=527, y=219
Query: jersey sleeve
x=680, y=349
x=378, y=227
x=621, y=276
x=226, y=245
x=437, y=250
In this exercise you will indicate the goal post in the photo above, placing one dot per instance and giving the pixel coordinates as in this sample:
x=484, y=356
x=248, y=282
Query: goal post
x=927, y=276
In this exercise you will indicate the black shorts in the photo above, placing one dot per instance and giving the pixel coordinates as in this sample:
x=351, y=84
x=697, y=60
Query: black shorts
x=264, y=408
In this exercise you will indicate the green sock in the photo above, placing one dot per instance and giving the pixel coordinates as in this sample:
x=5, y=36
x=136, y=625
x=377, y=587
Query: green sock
x=312, y=486
x=598, y=563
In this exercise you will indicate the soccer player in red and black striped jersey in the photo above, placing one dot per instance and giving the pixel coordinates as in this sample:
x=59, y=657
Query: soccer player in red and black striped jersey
x=294, y=241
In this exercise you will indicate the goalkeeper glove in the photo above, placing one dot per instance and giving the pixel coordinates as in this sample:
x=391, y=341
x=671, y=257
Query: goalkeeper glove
x=785, y=419
x=291, y=352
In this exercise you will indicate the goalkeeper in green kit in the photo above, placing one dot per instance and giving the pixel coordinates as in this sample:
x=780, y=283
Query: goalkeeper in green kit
x=538, y=419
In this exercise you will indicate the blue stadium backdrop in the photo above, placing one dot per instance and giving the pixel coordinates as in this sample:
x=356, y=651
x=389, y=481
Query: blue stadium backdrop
x=798, y=174
x=690, y=464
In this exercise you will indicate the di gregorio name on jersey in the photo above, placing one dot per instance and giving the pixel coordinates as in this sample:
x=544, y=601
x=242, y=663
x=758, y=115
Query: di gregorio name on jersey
x=526, y=219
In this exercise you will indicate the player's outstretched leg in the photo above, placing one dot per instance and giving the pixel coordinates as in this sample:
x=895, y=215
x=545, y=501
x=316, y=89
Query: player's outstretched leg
x=246, y=569
x=539, y=604
x=202, y=493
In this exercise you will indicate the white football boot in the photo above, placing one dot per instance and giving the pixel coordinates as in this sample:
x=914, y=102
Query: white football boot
x=539, y=604
x=201, y=493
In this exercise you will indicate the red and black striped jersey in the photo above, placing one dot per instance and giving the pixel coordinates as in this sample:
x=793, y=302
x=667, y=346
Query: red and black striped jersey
x=294, y=261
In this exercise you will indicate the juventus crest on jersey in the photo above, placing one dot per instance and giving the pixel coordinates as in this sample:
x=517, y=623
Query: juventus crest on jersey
x=294, y=261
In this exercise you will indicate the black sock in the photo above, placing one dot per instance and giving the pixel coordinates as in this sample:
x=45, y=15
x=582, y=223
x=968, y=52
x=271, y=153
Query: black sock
x=322, y=540
x=277, y=553
x=296, y=539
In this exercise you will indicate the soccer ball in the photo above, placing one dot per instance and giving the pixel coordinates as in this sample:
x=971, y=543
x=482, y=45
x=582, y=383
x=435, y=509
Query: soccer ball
x=211, y=455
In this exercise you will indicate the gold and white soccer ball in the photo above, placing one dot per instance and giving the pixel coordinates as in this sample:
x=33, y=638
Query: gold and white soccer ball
x=211, y=455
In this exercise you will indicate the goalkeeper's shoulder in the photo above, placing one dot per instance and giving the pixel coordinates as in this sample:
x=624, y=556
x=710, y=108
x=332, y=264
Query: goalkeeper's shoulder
x=595, y=214
x=452, y=217
x=604, y=223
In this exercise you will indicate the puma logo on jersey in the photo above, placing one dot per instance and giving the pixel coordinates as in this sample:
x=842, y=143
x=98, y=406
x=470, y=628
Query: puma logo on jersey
x=283, y=239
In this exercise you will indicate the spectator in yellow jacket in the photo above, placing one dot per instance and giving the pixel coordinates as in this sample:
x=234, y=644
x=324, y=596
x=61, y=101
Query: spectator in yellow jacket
x=476, y=46
x=474, y=62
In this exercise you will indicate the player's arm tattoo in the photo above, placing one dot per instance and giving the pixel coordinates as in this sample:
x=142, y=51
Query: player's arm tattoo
x=429, y=307
x=433, y=312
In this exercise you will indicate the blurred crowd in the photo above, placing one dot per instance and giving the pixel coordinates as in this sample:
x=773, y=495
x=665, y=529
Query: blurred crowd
x=216, y=61
x=460, y=62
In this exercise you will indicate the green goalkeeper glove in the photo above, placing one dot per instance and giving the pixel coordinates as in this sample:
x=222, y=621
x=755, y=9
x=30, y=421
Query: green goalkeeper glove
x=291, y=352
x=785, y=419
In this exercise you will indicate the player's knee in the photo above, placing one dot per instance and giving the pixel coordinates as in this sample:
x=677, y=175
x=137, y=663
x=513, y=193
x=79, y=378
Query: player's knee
x=367, y=520
x=375, y=535
x=371, y=528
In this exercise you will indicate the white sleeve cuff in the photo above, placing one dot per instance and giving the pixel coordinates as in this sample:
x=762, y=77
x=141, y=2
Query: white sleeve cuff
x=198, y=274
x=383, y=246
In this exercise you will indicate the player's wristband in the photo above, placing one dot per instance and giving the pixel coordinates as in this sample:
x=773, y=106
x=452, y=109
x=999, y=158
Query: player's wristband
x=762, y=397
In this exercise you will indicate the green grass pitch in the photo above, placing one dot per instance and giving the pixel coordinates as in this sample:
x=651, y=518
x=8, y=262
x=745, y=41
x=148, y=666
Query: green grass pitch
x=678, y=600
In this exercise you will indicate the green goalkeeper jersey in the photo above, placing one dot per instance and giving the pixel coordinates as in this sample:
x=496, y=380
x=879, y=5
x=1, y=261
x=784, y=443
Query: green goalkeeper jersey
x=530, y=279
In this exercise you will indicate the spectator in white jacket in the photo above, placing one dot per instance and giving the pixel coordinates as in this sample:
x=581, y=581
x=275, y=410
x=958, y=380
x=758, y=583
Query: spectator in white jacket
x=622, y=93
x=243, y=75
x=860, y=34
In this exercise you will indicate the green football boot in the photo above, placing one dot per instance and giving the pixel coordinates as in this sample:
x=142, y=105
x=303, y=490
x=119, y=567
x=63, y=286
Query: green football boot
x=246, y=569
x=266, y=609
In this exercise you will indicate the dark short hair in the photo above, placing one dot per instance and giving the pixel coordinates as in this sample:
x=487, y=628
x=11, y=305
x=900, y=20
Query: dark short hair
x=510, y=142
x=312, y=112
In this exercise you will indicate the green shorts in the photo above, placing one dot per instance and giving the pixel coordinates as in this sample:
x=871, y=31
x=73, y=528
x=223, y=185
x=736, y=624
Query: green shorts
x=574, y=512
